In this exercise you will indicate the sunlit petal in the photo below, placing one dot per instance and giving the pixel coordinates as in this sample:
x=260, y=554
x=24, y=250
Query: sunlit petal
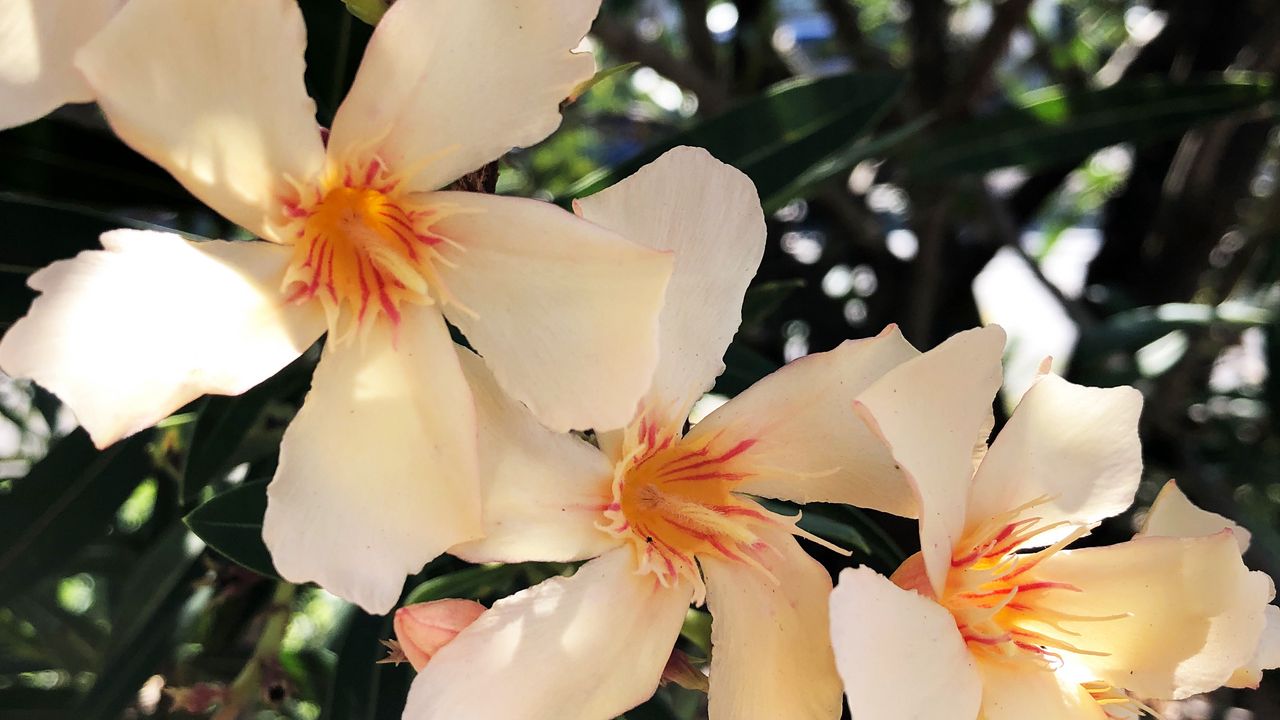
x=213, y=92
x=378, y=471
x=542, y=491
x=708, y=214
x=808, y=446
x=929, y=411
x=129, y=334
x=447, y=86
x=563, y=311
x=899, y=654
x=772, y=656
x=38, y=41
x=586, y=647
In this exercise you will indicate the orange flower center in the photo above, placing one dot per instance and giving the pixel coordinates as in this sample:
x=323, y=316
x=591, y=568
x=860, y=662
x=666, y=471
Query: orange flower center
x=1003, y=610
x=674, y=502
x=363, y=247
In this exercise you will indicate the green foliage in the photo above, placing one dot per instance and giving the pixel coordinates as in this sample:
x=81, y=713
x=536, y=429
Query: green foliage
x=231, y=523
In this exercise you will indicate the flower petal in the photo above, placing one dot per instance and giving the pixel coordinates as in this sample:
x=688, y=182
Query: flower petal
x=1266, y=657
x=929, y=411
x=709, y=215
x=566, y=311
x=1077, y=446
x=213, y=93
x=542, y=492
x=899, y=653
x=459, y=84
x=585, y=647
x=378, y=471
x=771, y=654
x=1174, y=515
x=38, y=39
x=127, y=335
x=1192, y=612
x=809, y=446
x=1013, y=693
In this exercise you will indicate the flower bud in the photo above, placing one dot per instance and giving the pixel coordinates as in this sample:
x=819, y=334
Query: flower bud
x=423, y=628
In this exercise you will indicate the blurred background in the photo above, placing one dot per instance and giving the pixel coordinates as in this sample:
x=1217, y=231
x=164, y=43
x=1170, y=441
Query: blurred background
x=1098, y=176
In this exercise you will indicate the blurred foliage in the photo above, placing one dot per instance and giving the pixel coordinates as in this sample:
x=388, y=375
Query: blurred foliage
x=1123, y=154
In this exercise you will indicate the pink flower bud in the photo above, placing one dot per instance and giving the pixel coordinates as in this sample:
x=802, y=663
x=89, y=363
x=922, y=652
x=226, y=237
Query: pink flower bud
x=423, y=628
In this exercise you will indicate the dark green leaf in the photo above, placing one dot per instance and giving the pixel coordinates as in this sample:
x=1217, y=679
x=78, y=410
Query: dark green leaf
x=225, y=423
x=482, y=582
x=68, y=498
x=744, y=367
x=231, y=523
x=779, y=136
x=363, y=690
x=1055, y=126
x=165, y=570
x=764, y=299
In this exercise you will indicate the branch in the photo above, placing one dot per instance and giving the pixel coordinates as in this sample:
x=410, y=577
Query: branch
x=620, y=41
x=702, y=48
x=845, y=18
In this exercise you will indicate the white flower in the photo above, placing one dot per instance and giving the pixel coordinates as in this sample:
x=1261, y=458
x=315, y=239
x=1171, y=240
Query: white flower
x=38, y=41
x=663, y=518
x=994, y=618
x=377, y=473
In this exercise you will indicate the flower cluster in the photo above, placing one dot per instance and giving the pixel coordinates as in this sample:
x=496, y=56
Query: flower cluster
x=614, y=317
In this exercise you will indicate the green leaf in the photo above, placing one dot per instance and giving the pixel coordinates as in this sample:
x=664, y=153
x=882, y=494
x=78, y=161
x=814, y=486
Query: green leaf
x=1055, y=125
x=585, y=86
x=363, y=690
x=370, y=11
x=764, y=299
x=66, y=500
x=227, y=421
x=166, y=568
x=482, y=582
x=744, y=367
x=780, y=135
x=231, y=523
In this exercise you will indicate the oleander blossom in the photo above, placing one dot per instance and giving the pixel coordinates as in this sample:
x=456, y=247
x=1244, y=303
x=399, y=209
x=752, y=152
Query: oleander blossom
x=38, y=43
x=995, y=618
x=664, y=518
x=377, y=472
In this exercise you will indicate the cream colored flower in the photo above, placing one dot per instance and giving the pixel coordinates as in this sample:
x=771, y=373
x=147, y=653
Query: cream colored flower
x=1173, y=515
x=38, y=40
x=377, y=473
x=665, y=518
x=995, y=619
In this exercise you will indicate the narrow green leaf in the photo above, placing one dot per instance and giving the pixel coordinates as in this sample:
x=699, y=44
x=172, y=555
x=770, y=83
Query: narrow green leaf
x=231, y=523
x=362, y=689
x=744, y=367
x=585, y=87
x=780, y=135
x=149, y=590
x=764, y=299
x=370, y=11
x=66, y=500
x=226, y=421
x=482, y=582
x=1055, y=126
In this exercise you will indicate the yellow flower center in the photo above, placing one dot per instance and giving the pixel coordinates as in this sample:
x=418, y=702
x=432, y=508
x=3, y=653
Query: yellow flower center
x=1003, y=609
x=674, y=502
x=364, y=247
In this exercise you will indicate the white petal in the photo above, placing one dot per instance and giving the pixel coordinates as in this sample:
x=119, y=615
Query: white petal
x=213, y=93
x=1174, y=515
x=587, y=647
x=127, y=335
x=810, y=446
x=542, y=492
x=378, y=471
x=1266, y=657
x=899, y=653
x=1077, y=446
x=1193, y=612
x=38, y=40
x=929, y=411
x=1014, y=693
x=566, y=311
x=709, y=215
x=771, y=652
x=461, y=83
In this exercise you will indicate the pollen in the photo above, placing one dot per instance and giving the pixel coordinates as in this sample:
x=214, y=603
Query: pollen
x=674, y=502
x=363, y=248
